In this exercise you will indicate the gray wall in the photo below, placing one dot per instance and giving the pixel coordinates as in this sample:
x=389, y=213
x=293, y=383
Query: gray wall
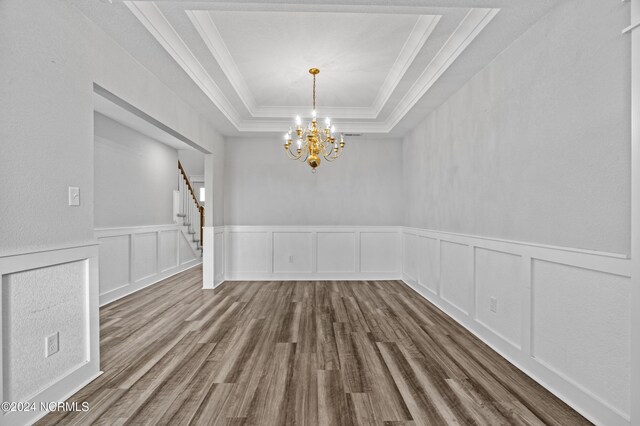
x=134, y=177
x=214, y=171
x=192, y=161
x=51, y=57
x=47, y=118
x=263, y=187
x=536, y=146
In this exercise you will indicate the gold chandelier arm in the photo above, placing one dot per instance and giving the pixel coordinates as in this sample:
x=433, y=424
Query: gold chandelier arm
x=292, y=155
x=333, y=155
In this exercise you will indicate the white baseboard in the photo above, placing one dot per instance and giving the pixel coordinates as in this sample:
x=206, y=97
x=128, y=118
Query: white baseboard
x=362, y=276
x=128, y=289
x=70, y=385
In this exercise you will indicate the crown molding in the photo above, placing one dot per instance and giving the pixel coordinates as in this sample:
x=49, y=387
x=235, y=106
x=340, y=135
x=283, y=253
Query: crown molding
x=414, y=43
x=472, y=24
x=157, y=24
x=280, y=126
x=275, y=119
x=206, y=28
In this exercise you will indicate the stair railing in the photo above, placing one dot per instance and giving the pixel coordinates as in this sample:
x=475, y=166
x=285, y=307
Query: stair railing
x=191, y=210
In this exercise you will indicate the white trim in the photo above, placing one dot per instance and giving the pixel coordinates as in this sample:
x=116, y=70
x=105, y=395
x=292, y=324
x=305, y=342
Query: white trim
x=614, y=263
x=310, y=228
x=274, y=119
x=66, y=383
x=84, y=373
x=121, y=230
x=270, y=274
x=579, y=398
x=472, y=24
x=634, y=302
x=49, y=248
x=416, y=40
x=128, y=289
x=135, y=283
x=157, y=24
x=204, y=25
x=521, y=353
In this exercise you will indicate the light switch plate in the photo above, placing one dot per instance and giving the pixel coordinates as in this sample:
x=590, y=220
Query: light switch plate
x=74, y=196
x=52, y=345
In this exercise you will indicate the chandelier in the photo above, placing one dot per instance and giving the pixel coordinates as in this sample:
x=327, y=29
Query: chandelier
x=312, y=142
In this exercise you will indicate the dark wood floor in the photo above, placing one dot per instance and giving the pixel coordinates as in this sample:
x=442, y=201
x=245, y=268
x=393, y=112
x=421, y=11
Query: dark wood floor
x=303, y=353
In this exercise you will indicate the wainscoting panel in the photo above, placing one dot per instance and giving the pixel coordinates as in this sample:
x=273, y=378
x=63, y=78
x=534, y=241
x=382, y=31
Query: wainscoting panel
x=581, y=328
x=248, y=252
x=311, y=252
x=167, y=250
x=410, y=256
x=336, y=252
x=428, y=260
x=145, y=258
x=559, y=314
x=132, y=258
x=50, y=291
x=456, y=278
x=186, y=254
x=499, y=289
x=292, y=252
x=114, y=252
x=380, y=252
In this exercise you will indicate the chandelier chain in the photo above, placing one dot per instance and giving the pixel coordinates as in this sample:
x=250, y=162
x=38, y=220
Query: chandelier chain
x=314, y=91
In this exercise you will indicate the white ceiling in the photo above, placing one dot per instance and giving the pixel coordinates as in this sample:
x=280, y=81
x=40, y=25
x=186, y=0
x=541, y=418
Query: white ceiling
x=355, y=53
x=383, y=65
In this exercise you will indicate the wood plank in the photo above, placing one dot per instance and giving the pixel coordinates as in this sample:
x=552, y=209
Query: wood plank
x=299, y=353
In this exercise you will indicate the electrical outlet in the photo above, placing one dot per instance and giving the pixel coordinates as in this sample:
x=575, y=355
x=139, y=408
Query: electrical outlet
x=493, y=304
x=290, y=259
x=52, y=344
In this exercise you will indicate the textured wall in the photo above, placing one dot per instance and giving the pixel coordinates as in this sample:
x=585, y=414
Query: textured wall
x=214, y=171
x=38, y=303
x=263, y=187
x=134, y=177
x=536, y=146
x=47, y=118
x=192, y=161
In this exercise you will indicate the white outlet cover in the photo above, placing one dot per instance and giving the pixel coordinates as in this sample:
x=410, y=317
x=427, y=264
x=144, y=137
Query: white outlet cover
x=74, y=196
x=493, y=304
x=52, y=345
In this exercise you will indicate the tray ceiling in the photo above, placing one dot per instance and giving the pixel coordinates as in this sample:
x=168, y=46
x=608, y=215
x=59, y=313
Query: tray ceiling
x=383, y=66
x=265, y=57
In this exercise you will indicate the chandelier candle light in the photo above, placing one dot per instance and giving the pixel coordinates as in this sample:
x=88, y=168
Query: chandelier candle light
x=312, y=141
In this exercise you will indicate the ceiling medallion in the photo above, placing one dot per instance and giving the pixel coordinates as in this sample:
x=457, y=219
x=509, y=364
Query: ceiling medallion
x=311, y=141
